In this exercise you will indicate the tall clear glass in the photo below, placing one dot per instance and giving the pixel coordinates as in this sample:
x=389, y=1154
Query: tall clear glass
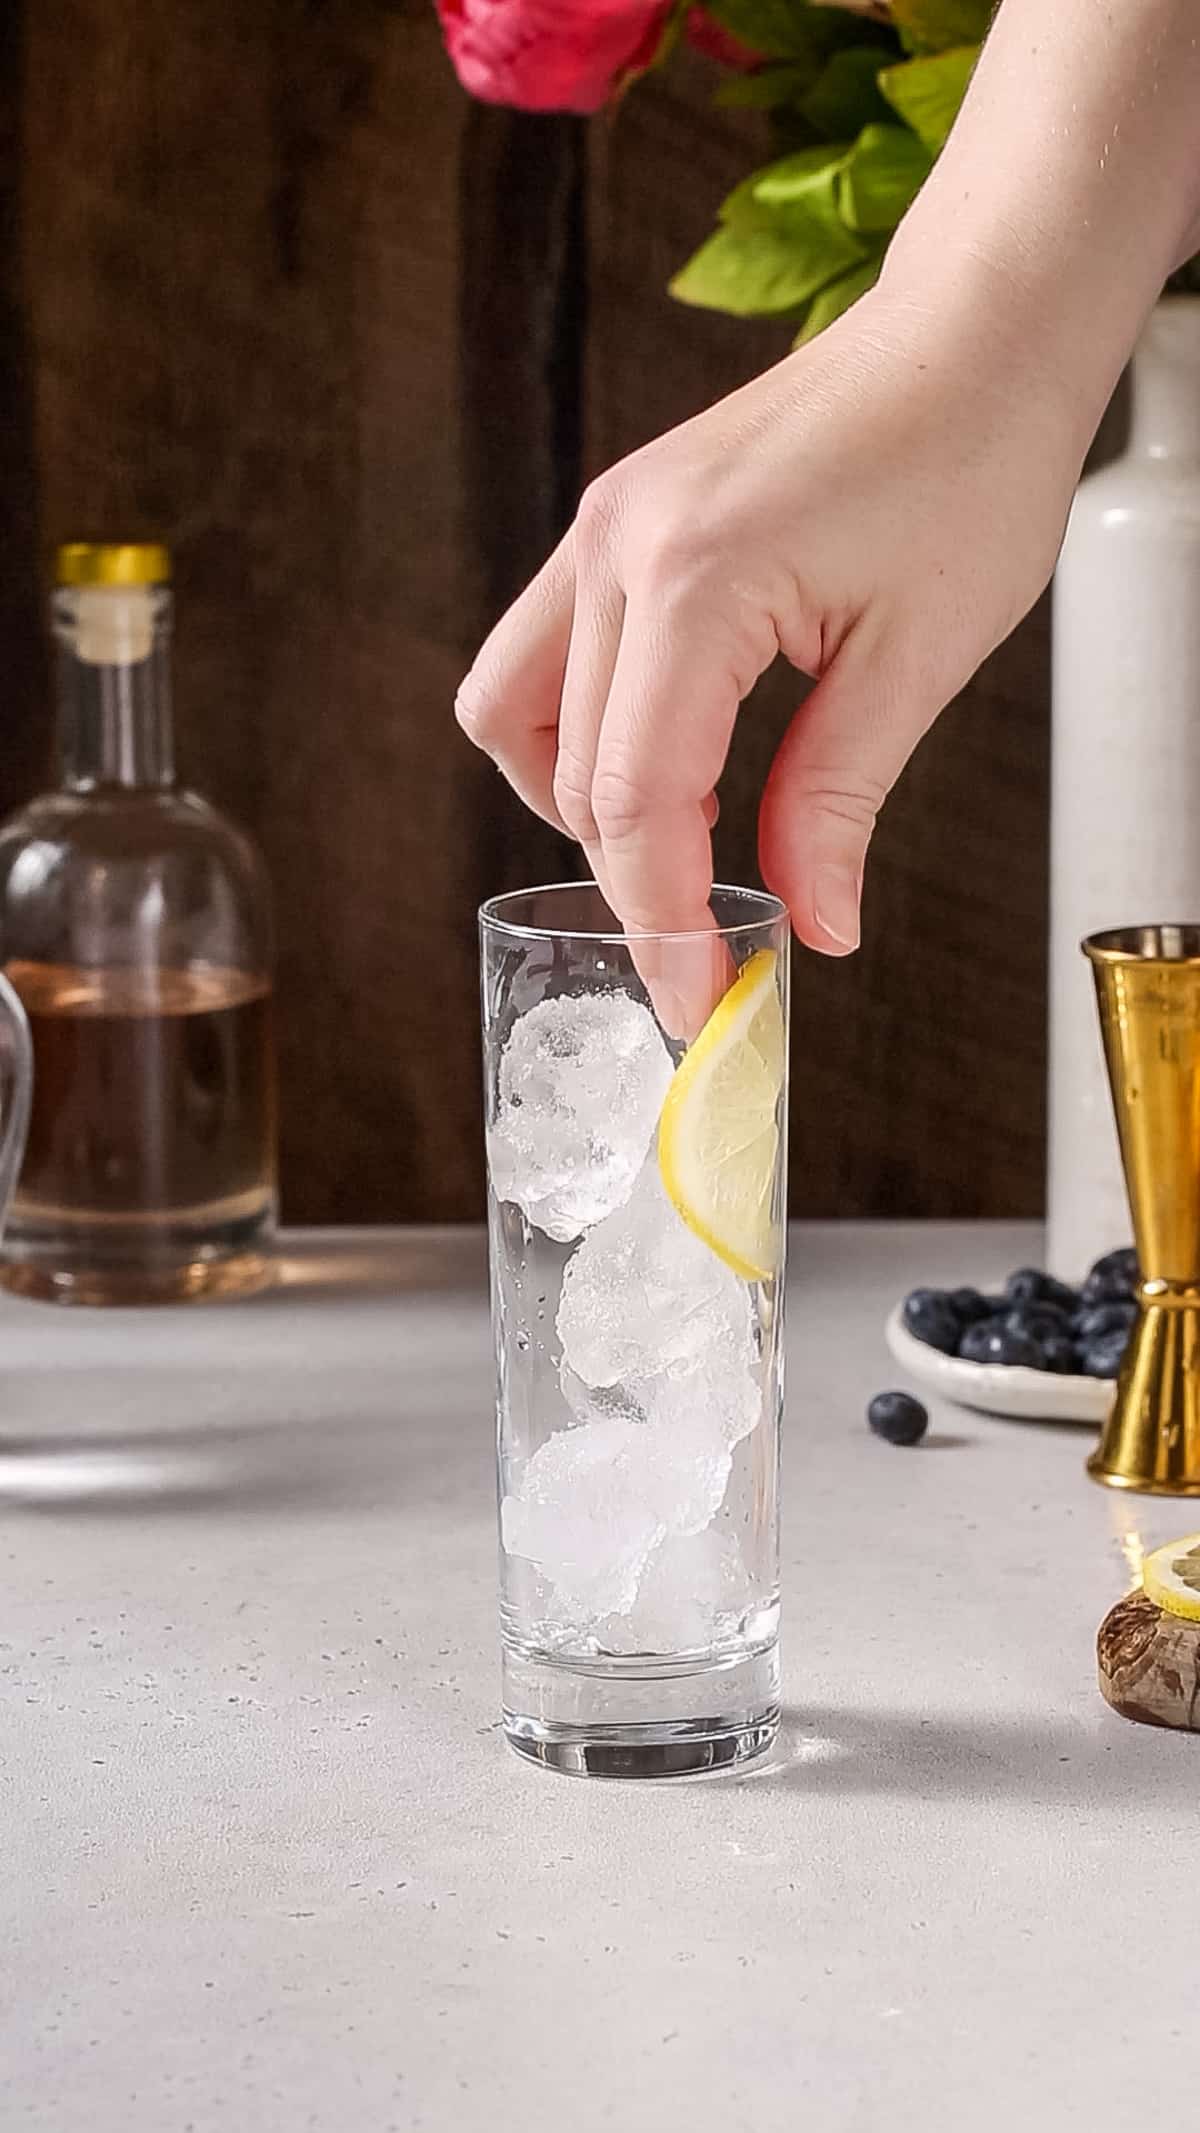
x=636, y=1112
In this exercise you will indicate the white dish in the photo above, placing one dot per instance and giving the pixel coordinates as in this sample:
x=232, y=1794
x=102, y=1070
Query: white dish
x=999, y=1388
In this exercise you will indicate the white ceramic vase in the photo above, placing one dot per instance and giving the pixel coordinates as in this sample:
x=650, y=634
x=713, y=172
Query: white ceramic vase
x=1125, y=805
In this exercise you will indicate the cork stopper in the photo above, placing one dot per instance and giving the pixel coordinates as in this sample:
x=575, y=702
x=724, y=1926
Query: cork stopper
x=113, y=624
x=110, y=597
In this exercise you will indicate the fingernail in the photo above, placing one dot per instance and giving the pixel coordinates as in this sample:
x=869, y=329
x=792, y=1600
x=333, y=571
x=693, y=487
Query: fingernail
x=835, y=905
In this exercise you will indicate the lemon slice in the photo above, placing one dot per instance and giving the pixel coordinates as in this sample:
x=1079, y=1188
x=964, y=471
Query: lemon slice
x=718, y=1133
x=1171, y=1577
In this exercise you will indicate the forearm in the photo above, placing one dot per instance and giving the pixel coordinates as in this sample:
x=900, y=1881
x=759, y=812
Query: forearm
x=1070, y=185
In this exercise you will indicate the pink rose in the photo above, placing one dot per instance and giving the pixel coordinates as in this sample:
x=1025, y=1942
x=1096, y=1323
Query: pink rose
x=549, y=55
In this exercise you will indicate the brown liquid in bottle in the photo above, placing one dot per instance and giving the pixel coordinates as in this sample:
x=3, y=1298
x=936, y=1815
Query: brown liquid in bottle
x=151, y=1146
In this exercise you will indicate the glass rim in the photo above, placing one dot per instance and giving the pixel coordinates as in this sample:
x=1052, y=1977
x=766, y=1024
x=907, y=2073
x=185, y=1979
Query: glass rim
x=771, y=910
x=1168, y=942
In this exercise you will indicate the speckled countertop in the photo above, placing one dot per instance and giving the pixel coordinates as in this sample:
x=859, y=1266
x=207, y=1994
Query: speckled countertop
x=266, y=1863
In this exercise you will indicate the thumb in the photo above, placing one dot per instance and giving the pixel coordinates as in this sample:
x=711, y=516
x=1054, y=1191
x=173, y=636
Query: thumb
x=835, y=766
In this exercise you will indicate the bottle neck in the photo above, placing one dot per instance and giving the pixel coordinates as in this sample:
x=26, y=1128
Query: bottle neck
x=1166, y=382
x=114, y=698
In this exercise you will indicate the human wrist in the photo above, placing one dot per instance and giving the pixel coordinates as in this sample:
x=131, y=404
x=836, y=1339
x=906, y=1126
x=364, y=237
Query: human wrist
x=1067, y=193
x=1015, y=320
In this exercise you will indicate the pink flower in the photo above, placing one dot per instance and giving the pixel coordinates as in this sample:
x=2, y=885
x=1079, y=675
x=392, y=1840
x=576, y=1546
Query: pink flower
x=549, y=55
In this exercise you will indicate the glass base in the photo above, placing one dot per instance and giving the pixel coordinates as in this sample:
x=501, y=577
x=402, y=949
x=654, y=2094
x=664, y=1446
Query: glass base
x=641, y=1718
x=167, y=1264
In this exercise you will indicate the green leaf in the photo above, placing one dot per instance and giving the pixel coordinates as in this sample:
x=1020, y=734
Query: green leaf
x=762, y=272
x=846, y=96
x=800, y=176
x=794, y=29
x=881, y=177
x=935, y=25
x=777, y=28
x=798, y=183
x=927, y=92
x=672, y=31
x=837, y=297
x=764, y=90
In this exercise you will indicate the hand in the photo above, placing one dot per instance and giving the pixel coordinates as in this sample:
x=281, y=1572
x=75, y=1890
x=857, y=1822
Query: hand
x=882, y=507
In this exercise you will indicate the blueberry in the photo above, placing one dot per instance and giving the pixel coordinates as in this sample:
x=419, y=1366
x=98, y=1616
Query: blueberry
x=1113, y=1279
x=968, y=1305
x=1101, y=1318
x=975, y=1346
x=1025, y=1286
x=1102, y=1289
x=929, y=1315
x=897, y=1417
x=1060, y=1354
x=1030, y=1285
x=1041, y=1321
x=993, y=1341
x=1103, y=1356
x=1119, y=1266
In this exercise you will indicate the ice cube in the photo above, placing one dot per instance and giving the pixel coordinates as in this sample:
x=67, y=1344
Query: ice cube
x=719, y=1397
x=581, y=1083
x=596, y=1500
x=586, y=1402
x=580, y=1516
x=692, y=1594
x=643, y=1297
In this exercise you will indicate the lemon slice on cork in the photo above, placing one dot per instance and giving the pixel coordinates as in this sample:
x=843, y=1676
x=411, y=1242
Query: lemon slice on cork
x=718, y=1134
x=1171, y=1578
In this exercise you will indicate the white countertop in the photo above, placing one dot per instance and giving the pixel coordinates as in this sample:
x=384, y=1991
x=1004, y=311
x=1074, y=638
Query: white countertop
x=267, y=1863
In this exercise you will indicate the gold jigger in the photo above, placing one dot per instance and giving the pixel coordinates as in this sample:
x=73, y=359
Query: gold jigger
x=1148, y=990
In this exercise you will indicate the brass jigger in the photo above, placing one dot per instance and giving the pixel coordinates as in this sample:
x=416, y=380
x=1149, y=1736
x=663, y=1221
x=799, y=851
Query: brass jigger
x=1148, y=989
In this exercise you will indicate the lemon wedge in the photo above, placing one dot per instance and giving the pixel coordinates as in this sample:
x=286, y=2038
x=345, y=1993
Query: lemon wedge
x=1171, y=1577
x=718, y=1132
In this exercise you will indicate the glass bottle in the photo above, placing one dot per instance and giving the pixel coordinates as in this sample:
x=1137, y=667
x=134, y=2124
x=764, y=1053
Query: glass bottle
x=135, y=924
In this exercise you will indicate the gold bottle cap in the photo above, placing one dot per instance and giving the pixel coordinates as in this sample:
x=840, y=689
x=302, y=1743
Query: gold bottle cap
x=113, y=563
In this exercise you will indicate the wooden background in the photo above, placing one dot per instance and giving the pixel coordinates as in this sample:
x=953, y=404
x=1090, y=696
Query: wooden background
x=270, y=286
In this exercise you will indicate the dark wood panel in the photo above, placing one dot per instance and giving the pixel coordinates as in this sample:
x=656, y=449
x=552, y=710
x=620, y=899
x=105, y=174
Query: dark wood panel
x=24, y=755
x=271, y=286
x=246, y=318
x=522, y=326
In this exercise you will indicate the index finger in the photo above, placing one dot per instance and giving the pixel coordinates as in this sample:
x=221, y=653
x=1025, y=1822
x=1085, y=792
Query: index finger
x=664, y=738
x=508, y=703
